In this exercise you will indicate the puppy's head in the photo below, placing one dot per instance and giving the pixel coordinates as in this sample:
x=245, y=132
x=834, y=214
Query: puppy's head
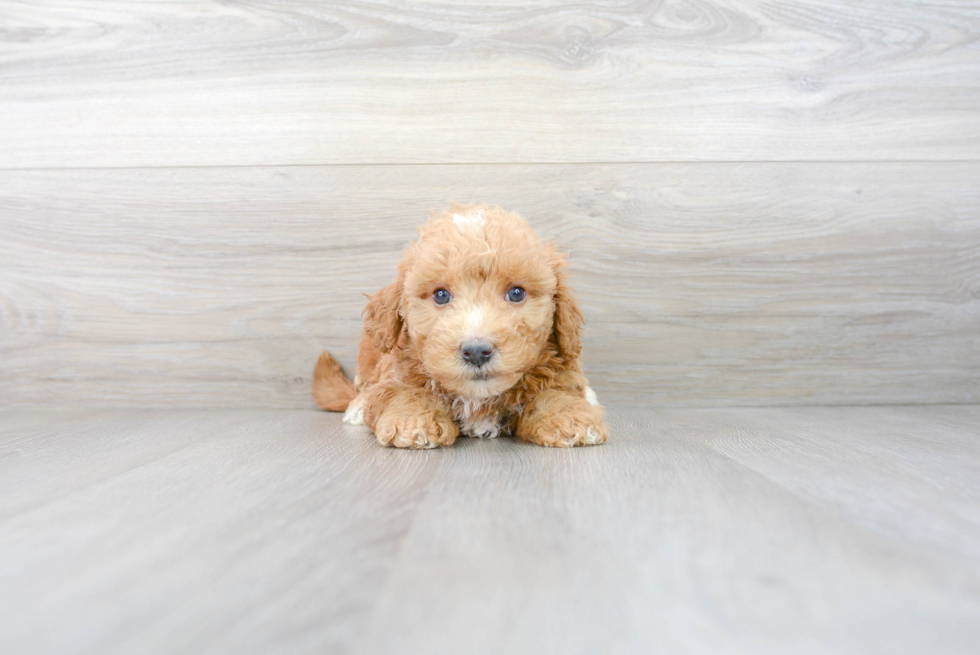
x=480, y=299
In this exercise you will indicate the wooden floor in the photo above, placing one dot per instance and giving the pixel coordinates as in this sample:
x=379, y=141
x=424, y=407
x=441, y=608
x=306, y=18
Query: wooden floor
x=843, y=530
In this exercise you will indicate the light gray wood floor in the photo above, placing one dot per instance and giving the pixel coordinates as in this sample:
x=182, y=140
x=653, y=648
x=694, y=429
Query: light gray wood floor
x=693, y=530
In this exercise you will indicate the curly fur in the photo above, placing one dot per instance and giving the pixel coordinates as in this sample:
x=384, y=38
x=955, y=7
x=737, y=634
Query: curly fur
x=414, y=389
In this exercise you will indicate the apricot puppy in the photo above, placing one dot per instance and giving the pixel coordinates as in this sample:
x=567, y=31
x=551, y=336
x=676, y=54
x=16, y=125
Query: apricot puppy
x=478, y=334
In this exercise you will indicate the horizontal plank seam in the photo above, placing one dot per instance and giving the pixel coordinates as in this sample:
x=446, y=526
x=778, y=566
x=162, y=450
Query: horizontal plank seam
x=692, y=162
x=612, y=406
x=654, y=405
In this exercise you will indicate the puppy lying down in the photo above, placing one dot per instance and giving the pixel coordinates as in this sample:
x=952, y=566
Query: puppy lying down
x=478, y=334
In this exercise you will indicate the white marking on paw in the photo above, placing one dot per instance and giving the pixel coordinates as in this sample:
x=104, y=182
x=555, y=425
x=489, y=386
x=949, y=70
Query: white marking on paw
x=592, y=436
x=355, y=412
x=591, y=397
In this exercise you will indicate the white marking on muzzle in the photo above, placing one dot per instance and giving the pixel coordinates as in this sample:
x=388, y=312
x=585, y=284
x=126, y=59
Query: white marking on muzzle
x=474, y=320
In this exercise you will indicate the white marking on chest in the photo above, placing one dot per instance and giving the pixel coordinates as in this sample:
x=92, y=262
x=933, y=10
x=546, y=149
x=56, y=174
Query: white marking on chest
x=483, y=426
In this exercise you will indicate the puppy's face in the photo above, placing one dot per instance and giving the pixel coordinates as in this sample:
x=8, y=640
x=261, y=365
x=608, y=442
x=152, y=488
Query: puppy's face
x=479, y=300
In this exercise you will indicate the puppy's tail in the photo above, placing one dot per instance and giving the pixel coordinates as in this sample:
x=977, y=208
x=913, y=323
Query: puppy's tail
x=332, y=390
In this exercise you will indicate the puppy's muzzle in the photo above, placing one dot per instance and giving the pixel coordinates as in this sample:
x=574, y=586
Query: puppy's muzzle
x=476, y=352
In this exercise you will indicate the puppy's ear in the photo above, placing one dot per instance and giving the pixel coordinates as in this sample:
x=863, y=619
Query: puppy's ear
x=382, y=321
x=566, y=332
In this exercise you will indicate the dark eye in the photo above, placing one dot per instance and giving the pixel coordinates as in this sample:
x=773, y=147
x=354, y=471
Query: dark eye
x=516, y=294
x=441, y=297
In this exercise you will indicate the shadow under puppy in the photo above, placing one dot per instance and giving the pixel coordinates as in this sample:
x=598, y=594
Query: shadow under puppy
x=478, y=334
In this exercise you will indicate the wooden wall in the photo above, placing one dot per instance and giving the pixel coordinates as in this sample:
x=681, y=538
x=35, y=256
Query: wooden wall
x=765, y=203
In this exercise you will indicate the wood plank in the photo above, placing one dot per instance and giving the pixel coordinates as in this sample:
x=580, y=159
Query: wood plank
x=267, y=532
x=303, y=82
x=701, y=284
x=845, y=530
x=33, y=459
x=931, y=459
x=663, y=543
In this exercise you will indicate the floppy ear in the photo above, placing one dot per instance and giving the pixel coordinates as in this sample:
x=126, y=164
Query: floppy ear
x=382, y=321
x=568, y=317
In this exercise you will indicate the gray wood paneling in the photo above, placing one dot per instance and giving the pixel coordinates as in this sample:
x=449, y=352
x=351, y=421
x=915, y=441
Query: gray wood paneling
x=148, y=256
x=803, y=530
x=701, y=284
x=307, y=82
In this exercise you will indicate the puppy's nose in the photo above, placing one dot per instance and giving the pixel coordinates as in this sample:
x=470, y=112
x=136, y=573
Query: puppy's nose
x=477, y=352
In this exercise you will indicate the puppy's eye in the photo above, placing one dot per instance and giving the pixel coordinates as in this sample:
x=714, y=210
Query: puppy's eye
x=516, y=294
x=441, y=297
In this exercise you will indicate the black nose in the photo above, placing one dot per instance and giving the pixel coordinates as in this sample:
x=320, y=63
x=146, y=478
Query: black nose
x=477, y=352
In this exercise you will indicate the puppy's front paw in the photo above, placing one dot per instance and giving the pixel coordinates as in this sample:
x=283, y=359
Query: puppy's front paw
x=424, y=429
x=560, y=420
x=565, y=433
x=355, y=411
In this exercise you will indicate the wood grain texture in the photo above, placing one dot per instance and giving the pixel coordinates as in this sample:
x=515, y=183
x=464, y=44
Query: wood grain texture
x=761, y=284
x=260, y=532
x=306, y=82
x=804, y=530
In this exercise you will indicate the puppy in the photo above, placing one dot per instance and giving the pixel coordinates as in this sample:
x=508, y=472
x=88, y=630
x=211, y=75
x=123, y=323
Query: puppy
x=478, y=334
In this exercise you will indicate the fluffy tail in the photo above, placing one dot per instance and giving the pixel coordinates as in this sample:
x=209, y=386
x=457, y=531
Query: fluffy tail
x=332, y=390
